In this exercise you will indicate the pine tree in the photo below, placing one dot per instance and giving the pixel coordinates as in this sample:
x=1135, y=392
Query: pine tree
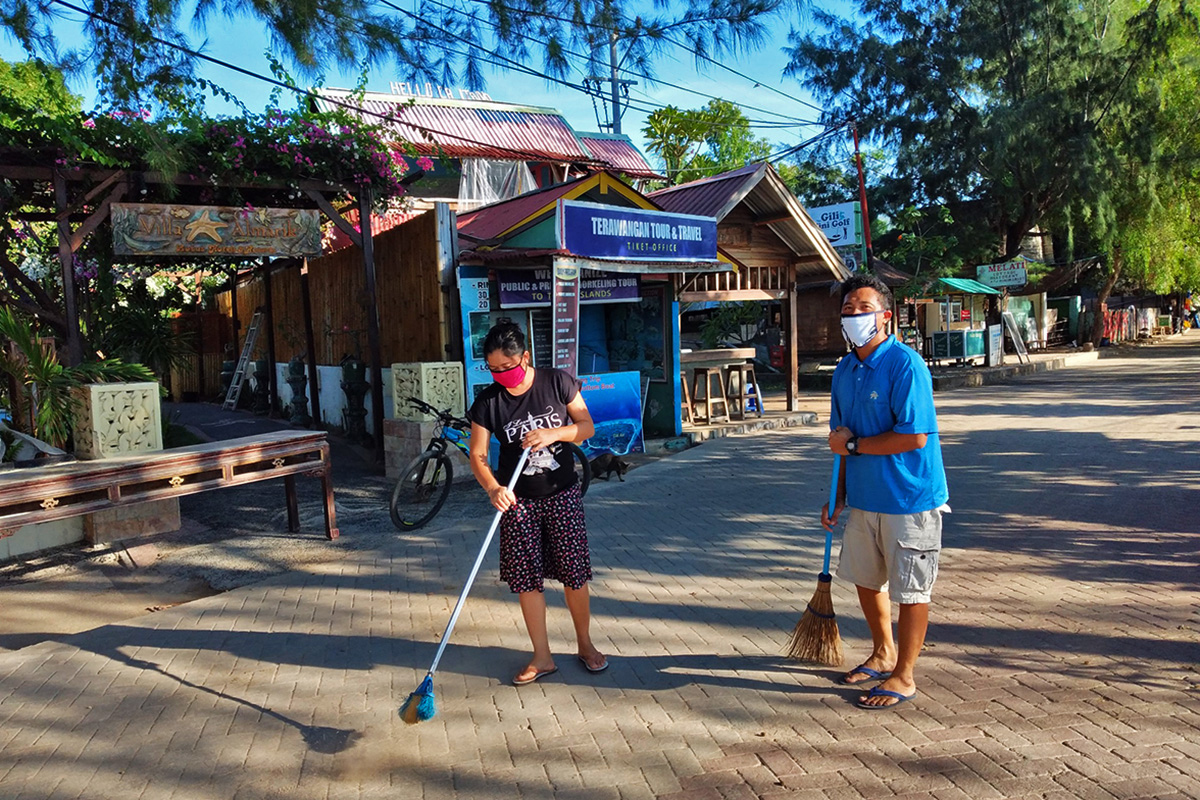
x=992, y=109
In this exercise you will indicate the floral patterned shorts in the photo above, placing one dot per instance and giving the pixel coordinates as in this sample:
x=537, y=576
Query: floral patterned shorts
x=545, y=538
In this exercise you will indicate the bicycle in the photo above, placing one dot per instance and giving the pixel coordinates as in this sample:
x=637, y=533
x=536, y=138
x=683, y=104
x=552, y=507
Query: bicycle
x=425, y=482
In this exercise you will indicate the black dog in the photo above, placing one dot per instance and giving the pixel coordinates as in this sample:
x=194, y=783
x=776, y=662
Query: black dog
x=608, y=463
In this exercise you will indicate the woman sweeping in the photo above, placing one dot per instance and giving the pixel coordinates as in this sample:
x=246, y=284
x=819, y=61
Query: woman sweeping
x=542, y=532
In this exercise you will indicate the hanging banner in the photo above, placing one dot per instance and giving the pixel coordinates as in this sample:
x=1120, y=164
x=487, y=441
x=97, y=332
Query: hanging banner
x=566, y=317
x=634, y=234
x=614, y=399
x=535, y=288
x=165, y=229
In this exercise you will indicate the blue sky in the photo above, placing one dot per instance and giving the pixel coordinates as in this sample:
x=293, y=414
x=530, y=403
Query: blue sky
x=242, y=43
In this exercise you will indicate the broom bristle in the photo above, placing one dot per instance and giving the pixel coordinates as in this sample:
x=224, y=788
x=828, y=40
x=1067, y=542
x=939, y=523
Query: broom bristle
x=420, y=705
x=815, y=638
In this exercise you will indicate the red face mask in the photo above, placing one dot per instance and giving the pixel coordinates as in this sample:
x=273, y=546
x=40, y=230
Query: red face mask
x=509, y=378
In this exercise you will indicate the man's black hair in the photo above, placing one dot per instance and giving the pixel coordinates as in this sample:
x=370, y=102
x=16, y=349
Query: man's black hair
x=506, y=337
x=866, y=281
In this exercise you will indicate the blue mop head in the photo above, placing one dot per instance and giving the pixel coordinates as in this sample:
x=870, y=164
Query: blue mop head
x=420, y=705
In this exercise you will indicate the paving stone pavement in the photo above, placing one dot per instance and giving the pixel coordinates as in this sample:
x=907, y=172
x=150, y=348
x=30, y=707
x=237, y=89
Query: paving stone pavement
x=1061, y=659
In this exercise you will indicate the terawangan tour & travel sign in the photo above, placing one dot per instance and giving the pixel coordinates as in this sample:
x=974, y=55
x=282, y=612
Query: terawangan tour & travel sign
x=634, y=234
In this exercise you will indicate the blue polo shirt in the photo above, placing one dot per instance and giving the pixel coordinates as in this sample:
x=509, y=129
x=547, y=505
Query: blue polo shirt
x=891, y=391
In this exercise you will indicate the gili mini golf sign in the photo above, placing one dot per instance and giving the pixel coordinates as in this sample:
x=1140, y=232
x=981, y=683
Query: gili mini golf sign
x=839, y=223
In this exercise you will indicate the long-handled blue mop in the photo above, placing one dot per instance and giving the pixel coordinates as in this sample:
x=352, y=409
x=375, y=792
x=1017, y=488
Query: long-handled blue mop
x=421, y=705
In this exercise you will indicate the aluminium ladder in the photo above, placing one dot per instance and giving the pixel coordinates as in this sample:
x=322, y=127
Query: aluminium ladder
x=239, y=374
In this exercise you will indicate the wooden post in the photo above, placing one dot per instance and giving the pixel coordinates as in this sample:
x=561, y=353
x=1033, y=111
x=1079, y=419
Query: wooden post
x=200, y=353
x=233, y=312
x=67, y=261
x=293, y=504
x=793, y=342
x=368, y=248
x=269, y=319
x=331, y=526
x=310, y=345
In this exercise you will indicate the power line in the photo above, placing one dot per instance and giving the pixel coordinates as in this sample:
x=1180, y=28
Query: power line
x=733, y=71
x=698, y=54
x=504, y=61
x=296, y=89
x=764, y=124
x=772, y=157
x=509, y=63
x=647, y=107
x=825, y=134
x=389, y=118
x=648, y=76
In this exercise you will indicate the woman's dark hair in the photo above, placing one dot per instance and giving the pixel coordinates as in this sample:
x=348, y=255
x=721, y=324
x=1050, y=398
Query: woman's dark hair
x=856, y=282
x=506, y=337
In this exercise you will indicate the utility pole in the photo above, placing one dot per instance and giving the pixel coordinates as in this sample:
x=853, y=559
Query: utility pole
x=862, y=195
x=618, y=86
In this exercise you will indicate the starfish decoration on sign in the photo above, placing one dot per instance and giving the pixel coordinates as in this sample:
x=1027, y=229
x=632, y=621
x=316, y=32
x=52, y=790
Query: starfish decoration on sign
x=205, y=225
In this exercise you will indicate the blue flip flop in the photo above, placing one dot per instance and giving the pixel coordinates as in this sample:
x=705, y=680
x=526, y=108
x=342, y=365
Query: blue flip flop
x=863, y=669
x=877, y=692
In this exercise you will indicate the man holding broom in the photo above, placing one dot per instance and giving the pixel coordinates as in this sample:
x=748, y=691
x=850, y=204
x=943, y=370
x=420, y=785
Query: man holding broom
x=884, y=425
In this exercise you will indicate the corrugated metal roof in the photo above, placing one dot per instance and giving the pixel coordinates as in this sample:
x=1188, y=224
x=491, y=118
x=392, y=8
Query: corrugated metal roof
x=765, y=196
x=708, y=197
x=619, y=153
x=469, y=128
x=488, y=222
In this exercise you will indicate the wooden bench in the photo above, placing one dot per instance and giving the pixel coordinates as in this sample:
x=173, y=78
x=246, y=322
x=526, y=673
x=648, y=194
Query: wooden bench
x=42, y=494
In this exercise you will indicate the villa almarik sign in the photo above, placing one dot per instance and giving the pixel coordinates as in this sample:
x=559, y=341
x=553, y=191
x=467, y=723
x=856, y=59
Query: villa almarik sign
x=164, y=229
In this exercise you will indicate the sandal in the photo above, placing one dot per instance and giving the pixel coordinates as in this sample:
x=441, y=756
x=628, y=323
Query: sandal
x=877, y=692
x=590, y=668
x=863, y=669
x=541, y=673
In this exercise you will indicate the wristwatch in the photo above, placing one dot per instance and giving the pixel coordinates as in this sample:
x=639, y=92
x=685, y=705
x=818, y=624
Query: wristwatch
x=852, y=446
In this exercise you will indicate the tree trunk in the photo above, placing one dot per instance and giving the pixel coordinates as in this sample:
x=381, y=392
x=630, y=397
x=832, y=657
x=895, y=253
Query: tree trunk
x=1114, y=274
x=1014, y=235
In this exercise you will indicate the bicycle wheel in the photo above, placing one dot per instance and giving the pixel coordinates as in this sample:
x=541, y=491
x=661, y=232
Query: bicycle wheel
x=421, y=491
x=585, y=467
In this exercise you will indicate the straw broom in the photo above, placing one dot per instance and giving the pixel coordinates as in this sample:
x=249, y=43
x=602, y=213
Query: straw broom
x=421, y=705
x=815, y=638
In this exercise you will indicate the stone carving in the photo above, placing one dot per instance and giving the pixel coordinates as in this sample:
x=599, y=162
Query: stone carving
x=441, y=384
x=114, y=419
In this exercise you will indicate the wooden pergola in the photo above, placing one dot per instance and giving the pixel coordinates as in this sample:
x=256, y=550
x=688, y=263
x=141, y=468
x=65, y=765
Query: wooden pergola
x=80, y=202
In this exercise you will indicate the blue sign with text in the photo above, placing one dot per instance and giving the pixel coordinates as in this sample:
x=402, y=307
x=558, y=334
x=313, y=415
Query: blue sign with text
x=592, y=230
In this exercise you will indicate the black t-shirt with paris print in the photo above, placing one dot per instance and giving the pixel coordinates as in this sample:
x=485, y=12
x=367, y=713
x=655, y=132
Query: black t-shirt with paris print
x=549, y=470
